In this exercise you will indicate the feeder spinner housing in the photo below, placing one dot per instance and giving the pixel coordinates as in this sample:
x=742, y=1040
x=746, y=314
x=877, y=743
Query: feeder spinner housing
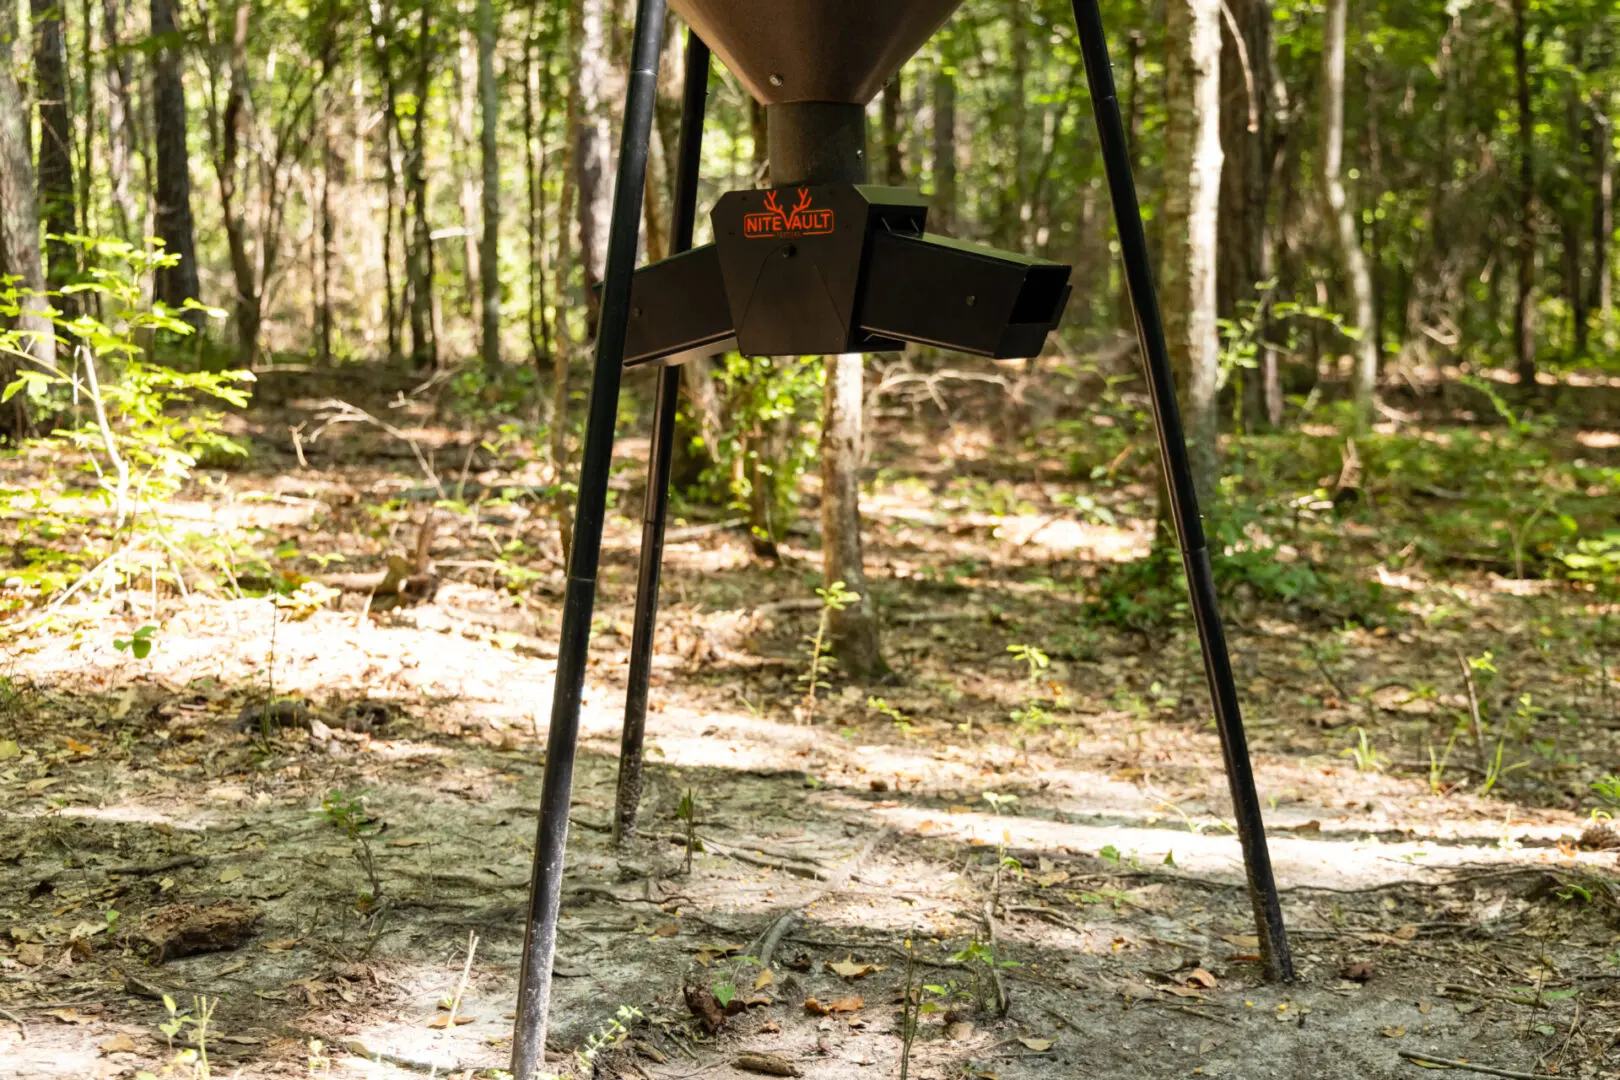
x=838, y=269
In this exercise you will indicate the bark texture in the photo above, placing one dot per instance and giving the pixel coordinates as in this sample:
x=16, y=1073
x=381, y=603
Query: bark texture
x=1191, y=210
x=1341, y=215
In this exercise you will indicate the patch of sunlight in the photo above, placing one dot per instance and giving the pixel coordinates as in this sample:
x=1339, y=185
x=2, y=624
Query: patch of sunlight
x=1599, y=440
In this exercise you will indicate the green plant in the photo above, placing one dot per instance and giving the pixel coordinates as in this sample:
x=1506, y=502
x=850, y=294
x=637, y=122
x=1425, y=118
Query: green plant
x=138, y=644
x=1365, y=755
x=686, y=813
x=188, y=1060
x=834, y=598
x=349, y=816
x=608, y=1036
x=769, y=439
x=135, y=427
x=913, y=1007
x=1032, y=658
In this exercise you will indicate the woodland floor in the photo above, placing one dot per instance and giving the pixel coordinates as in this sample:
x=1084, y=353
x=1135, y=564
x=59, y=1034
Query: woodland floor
x=1426, y=917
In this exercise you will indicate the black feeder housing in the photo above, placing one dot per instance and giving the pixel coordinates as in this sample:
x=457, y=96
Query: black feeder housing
x=839, y=269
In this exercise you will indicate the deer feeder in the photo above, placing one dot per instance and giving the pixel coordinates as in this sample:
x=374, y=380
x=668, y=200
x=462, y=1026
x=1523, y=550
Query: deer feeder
x=824, y=262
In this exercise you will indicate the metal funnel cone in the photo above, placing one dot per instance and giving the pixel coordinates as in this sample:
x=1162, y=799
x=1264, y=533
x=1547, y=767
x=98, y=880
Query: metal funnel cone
x=815, y=50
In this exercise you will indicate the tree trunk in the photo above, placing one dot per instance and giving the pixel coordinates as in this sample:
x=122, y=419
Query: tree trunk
x=1341, y=214
x=489, y=270
x=419, y=246
x=894, y=165
x=383, y=29
x=1602, y=206
x=593, y=146
x=536, y=110
x=172, y=216
x=1135, y=73
x=19, y=230
x=327, y=254
x=1245, y=176
x=57, y=198
x=248, y=301
x=572, y=128
x=1524, y=310
x=1192, y=190
x=855, y=629
x=120, y=125
x=945, y=152
x=467, y=88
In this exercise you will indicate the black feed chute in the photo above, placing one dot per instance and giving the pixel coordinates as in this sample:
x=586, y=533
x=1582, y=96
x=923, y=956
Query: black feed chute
x=804, y=270
x=824, y=263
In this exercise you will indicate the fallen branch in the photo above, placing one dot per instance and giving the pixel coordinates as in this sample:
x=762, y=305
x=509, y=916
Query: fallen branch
x=179, y=862
x=765, y=946
x=1493, y=995
x=1468, y=1066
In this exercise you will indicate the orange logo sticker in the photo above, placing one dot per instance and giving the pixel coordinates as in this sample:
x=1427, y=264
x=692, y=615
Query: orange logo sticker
x=802, y=220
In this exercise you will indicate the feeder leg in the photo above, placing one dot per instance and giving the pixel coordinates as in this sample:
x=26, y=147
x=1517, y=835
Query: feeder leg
x=1183, y=498
x=545, y=887
x=694, y=100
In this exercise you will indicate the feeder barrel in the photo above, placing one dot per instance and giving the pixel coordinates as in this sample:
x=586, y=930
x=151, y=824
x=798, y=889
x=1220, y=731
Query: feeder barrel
x=815, y=50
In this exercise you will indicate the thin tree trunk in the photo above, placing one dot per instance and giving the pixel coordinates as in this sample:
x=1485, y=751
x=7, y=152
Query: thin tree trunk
x=467, y=88
x=1602, y=206
x=944, y=152
x=855, y=629
x=1135, y=73
x=120, y=134
x=327, y=254
x=593, y=143
x=572, y=129
x=85, y=120
x=1245, y=176
x=382, y=33
x=536, y=110
x=1571, y=238
x=57, y=195
x=19, y=230
x=172, y=216
x=489, y=270
x=1192, y=190
x=1524, y=310
x=227, y=167
x=419, y=246
x=894, y=165
x=1341, y=214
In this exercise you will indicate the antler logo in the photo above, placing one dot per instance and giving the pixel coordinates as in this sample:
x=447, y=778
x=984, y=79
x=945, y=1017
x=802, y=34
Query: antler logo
x=802, y=220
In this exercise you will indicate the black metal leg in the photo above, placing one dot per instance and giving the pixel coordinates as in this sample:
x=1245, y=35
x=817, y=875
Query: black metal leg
x=694, y=101
x=1183, y=498
x=545, y=888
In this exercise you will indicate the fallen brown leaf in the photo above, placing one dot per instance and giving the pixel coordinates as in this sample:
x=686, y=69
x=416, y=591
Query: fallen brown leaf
x=1203, y=978
x=851, y=970
x=841, y=1005
x=442, y=1021
x=118, y=1044
x=1040, y=1046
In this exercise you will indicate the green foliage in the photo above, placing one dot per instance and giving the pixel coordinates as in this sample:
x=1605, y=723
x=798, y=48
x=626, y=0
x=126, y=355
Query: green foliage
x=138, y=644
x=769, y=406
x=834, y=598
x=133, y=427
